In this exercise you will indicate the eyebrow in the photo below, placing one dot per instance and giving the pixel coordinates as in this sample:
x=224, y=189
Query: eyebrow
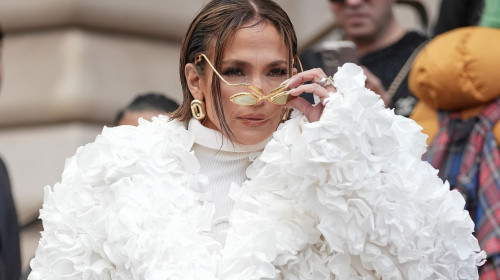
x=241, y=63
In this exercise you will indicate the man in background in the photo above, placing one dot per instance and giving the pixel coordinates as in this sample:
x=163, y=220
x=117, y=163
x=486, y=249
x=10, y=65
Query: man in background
x=383, y=48
x=10, y=256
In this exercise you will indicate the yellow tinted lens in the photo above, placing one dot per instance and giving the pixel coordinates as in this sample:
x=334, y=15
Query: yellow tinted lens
x=244, y=98
x=279, y=99
x=278, y=95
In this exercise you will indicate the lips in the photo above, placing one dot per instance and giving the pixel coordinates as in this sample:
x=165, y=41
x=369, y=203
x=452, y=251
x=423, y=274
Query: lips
x=253, y=119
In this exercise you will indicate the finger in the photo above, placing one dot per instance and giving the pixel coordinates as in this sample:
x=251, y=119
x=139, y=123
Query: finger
x=315, y=89
x=313, y=113
x=300, y=104
x=314, y=75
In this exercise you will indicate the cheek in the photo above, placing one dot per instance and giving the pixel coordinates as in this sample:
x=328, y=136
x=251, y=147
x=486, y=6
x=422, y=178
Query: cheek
x=279, y=114
x=211, y=121
x=228, y=106
x=337, y=11
x=229, y=109
x=226, y=93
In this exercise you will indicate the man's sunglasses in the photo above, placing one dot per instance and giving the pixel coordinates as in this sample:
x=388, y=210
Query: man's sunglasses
x=277, y=96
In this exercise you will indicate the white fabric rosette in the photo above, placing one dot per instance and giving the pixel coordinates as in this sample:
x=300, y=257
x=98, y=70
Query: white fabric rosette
x=128, y=208
x=346, y=197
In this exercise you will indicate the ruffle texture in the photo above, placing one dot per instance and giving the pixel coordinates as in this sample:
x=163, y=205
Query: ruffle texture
x=128, y=207
x=346, y=197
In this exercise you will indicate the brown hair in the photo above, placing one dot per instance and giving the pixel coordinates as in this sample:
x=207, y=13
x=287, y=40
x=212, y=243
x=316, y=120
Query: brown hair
x=213, y=27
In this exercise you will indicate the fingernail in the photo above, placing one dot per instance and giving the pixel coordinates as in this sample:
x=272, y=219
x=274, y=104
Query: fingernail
x=286, y=82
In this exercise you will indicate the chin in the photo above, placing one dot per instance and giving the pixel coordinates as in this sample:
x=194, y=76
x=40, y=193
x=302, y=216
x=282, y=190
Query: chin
x=251, y=135
x=360, y=33
x=252, y=139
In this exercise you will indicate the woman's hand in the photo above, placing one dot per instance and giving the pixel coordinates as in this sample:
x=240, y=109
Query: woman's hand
x=297, y=86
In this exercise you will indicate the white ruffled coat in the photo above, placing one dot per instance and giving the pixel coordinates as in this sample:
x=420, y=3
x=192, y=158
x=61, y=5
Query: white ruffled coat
x=346, y=197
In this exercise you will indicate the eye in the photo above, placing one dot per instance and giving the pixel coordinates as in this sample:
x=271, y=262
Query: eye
x=278, y=72
x=233, y=71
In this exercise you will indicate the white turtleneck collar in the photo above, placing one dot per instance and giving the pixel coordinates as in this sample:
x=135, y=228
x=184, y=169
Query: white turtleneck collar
x=223, y=163
x=214, y=139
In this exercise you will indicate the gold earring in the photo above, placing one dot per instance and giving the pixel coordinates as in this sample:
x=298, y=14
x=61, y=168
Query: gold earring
x=198, y=109
x=286, y=114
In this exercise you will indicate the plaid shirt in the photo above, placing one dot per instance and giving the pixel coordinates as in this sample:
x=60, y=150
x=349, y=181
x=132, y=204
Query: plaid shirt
x=468, y=156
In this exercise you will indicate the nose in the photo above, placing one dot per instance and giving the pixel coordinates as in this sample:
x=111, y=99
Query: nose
x=258, y=82
x=354, y=2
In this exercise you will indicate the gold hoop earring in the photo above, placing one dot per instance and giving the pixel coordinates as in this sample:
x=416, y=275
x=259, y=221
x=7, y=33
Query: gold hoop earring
x=198, y=109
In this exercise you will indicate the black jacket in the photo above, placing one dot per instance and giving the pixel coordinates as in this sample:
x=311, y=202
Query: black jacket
x=10, y=259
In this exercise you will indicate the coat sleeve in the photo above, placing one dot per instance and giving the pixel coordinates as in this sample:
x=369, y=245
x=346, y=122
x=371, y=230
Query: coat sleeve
x=127, y=207
x=350, y=196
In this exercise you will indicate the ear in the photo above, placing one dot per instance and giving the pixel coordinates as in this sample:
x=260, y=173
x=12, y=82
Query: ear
x=194, y=81
x=294, y=71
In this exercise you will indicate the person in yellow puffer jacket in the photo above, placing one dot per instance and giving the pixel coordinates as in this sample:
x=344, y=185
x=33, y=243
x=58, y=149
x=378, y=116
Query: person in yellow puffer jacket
x=455, y=77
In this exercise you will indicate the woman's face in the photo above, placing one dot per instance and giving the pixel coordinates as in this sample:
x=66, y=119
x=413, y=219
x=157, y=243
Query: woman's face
x=255, y=55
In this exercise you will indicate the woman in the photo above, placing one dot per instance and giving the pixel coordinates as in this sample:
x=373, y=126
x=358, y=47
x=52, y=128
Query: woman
x=218, y=192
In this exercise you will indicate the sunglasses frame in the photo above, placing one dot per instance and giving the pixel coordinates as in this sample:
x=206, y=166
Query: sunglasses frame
x=277, y=96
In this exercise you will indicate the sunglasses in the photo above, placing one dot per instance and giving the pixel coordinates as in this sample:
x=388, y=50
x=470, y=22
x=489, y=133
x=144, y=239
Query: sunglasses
x=337, y=1
x=277, y=96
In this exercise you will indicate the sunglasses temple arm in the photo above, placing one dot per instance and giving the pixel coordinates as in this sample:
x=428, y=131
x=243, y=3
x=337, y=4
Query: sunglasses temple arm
x=215, y=71
x=299, y=62
x=256, y=90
